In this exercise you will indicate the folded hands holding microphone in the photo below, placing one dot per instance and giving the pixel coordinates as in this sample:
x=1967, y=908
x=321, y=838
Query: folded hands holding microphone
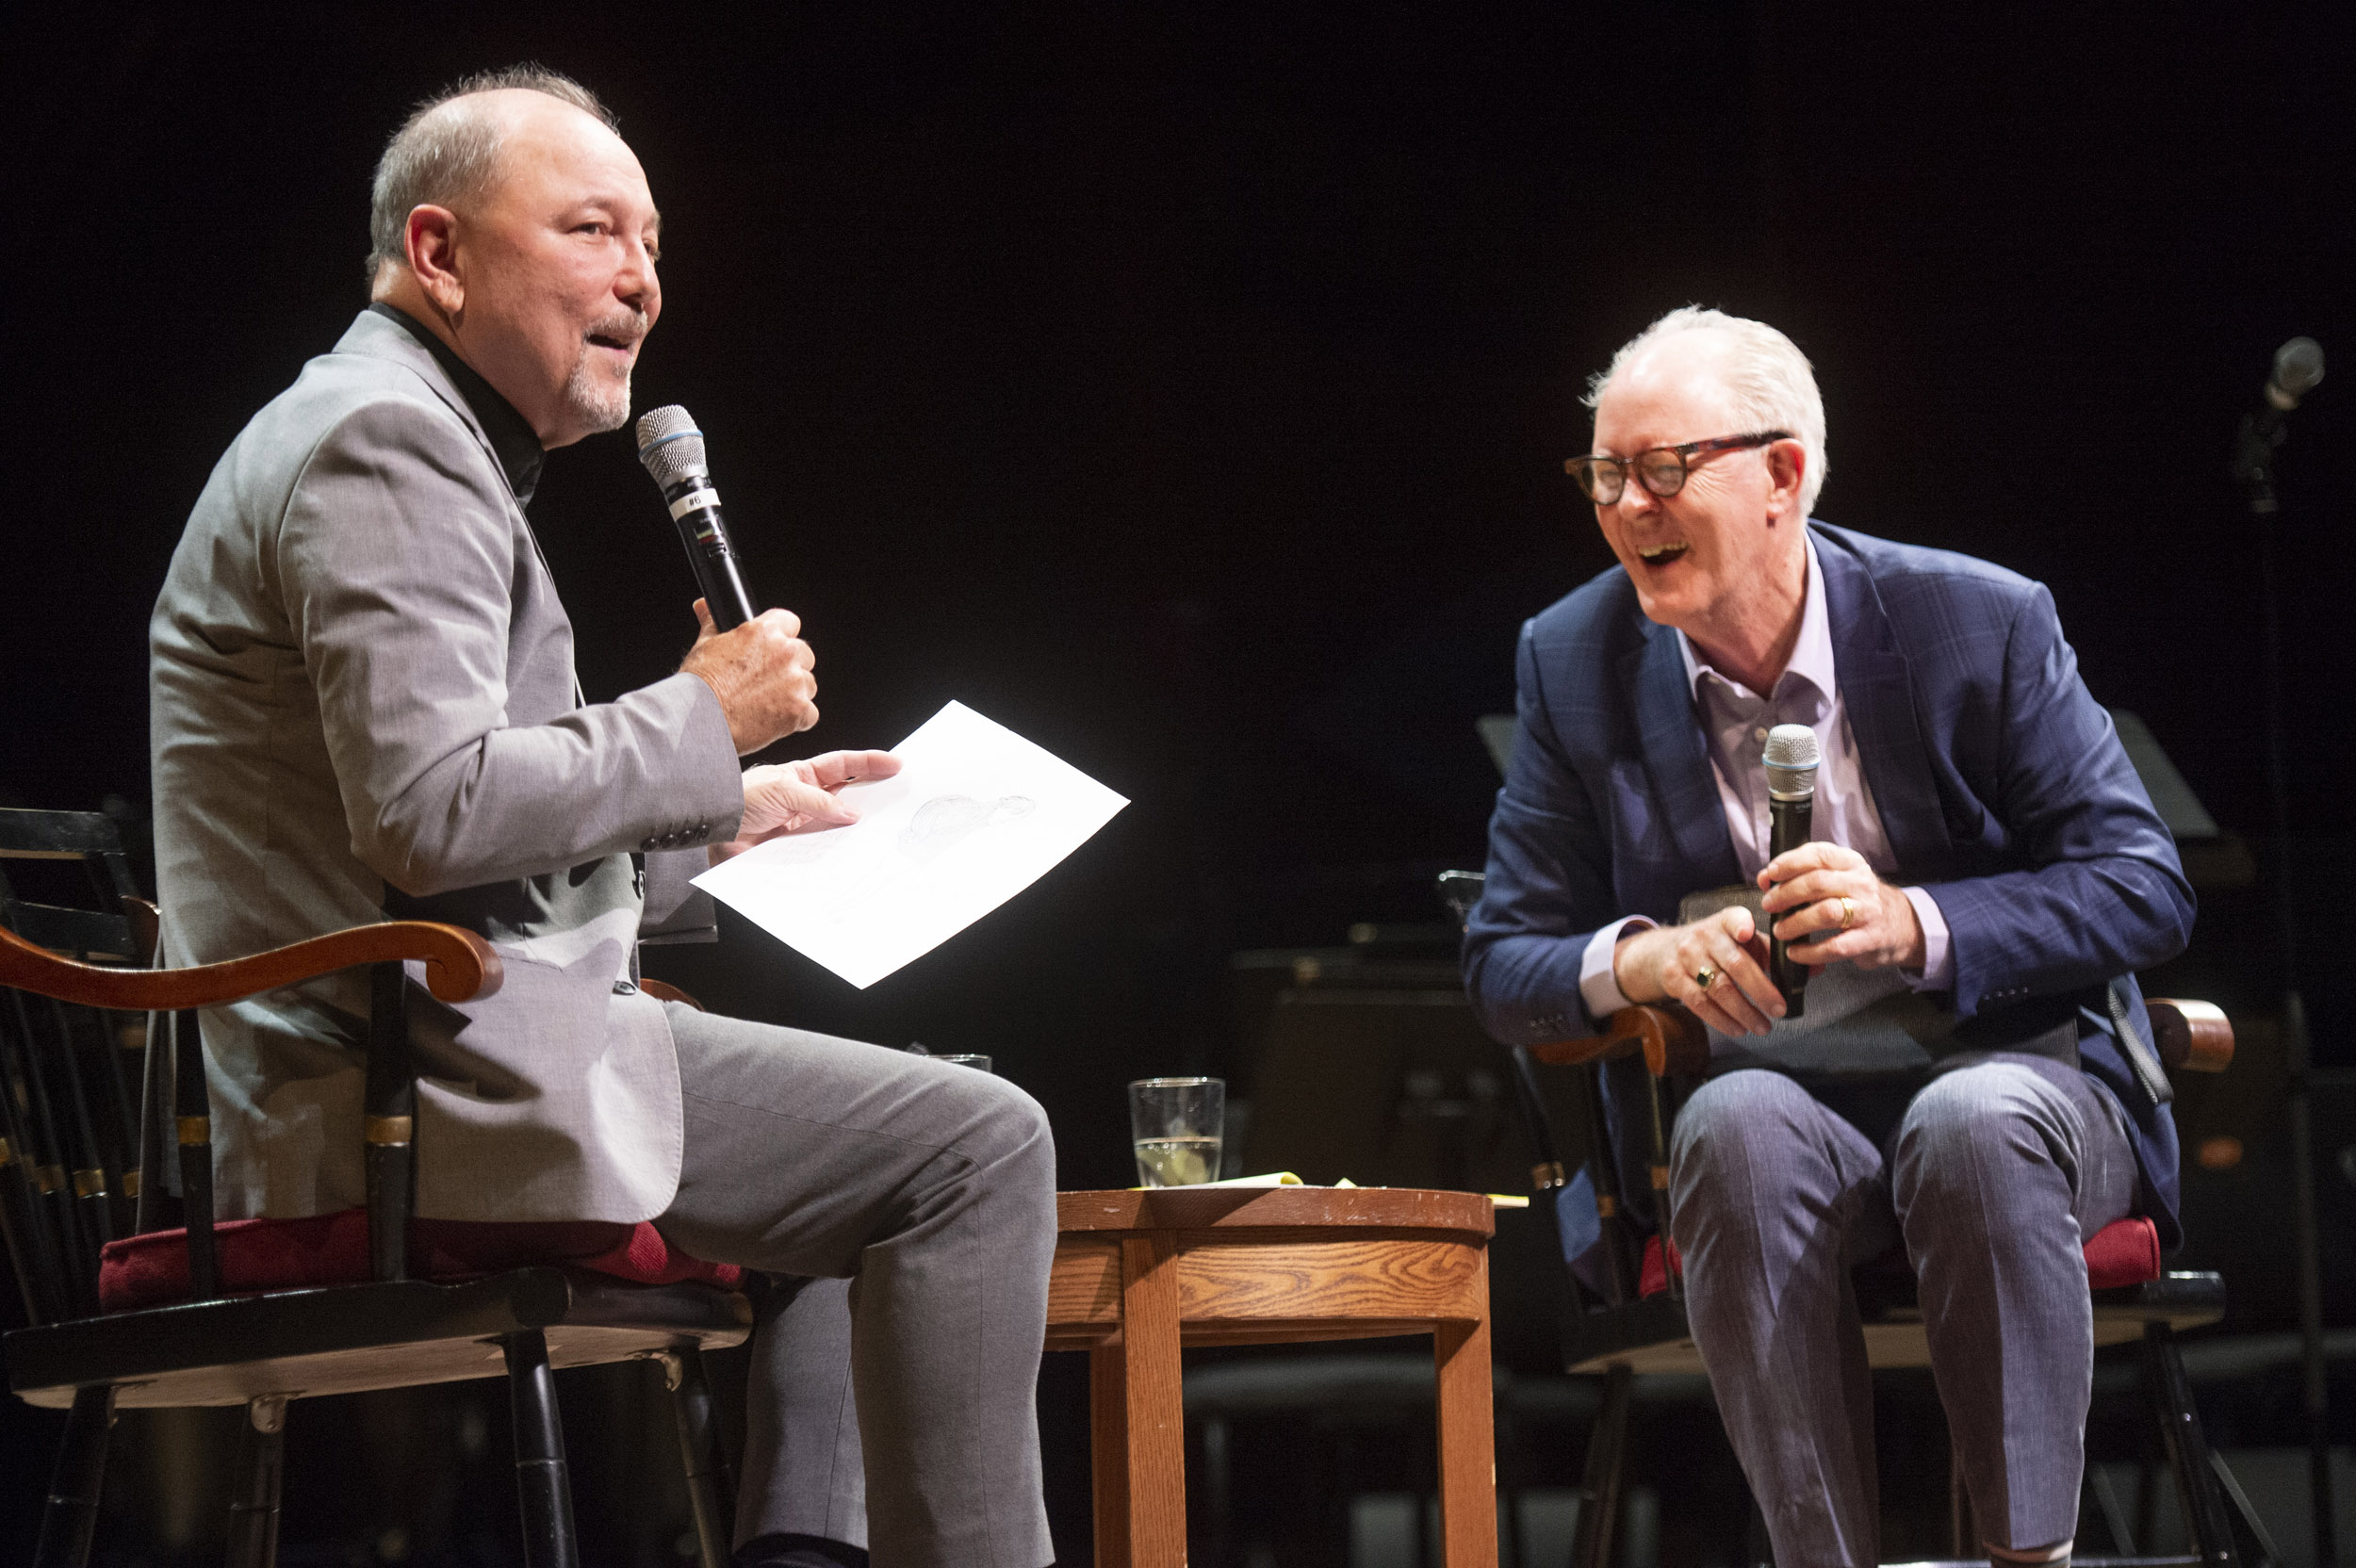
x=1717, y=967
x=762, y=672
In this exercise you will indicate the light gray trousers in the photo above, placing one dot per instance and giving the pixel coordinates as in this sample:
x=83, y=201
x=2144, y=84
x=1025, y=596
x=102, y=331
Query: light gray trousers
x=1994, y=1174
x=912, y=1204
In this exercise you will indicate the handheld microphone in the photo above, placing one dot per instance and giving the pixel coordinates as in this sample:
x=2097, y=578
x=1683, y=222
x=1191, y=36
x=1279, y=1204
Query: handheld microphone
x=672, y=449
x=1791, y=758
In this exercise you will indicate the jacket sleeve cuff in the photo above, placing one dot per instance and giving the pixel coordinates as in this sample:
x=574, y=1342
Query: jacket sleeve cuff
x=712, y=775
x=1598, y=988
x=1938, y=950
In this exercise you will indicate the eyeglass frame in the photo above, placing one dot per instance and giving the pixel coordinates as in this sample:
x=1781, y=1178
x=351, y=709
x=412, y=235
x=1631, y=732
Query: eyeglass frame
x=1684, y=452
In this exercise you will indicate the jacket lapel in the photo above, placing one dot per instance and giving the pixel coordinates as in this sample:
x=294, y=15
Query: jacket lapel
x=1682, y=782
x=1877, y=690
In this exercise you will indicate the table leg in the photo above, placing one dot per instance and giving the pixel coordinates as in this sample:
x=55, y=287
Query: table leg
x=1468, y=1471
x=1108, y=1441
x=1154, y=1393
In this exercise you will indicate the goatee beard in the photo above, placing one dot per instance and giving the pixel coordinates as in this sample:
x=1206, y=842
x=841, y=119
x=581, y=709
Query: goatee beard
x=601, y=403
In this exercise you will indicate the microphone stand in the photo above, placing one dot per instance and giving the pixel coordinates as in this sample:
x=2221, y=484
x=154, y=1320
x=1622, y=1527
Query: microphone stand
x=2262, y=432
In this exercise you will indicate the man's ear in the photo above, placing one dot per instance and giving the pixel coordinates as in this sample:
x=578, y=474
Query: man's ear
x=1787, y=466
x=431, y=240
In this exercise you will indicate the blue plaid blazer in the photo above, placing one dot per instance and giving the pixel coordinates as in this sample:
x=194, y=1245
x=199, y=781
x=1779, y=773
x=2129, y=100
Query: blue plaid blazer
x=2001, y=783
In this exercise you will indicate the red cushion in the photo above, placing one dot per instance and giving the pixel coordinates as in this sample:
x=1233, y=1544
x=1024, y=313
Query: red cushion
x=332, y=1250
x=2124, y=1253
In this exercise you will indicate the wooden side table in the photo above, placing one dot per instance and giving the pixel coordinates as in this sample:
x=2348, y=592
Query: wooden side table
x=1137, y=1275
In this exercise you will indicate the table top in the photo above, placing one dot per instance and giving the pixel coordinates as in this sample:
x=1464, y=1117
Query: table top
x=1207, y=1208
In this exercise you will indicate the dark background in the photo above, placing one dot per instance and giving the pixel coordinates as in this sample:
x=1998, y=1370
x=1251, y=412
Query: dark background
x=1186, y=389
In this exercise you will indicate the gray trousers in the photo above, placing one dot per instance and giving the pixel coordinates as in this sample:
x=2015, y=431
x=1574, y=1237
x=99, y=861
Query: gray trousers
x=1993, y=1173
x=912, y=1205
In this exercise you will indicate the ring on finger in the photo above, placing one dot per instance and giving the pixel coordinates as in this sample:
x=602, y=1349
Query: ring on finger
x=1705, y=977
x=1848, y=912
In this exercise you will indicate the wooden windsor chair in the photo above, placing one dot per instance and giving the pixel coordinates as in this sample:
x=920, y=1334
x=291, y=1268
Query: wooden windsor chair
x=259, y=1312
x=1634, y=1321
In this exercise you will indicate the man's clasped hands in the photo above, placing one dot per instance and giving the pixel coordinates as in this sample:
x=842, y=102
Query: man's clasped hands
x=1717, y=967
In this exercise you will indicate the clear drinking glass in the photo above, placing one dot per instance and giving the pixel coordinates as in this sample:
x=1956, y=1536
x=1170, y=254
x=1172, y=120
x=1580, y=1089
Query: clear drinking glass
x=1175, y=1125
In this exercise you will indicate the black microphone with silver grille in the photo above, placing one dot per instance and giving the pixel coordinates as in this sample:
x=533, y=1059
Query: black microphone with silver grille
x=1791, y=761
x=672, y=449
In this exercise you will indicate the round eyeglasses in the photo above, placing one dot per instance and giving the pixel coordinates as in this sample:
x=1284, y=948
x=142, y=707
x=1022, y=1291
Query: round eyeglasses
x=1661, y=469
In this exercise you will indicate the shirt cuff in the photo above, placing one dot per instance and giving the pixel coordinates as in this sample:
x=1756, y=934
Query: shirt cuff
x=1938, y=953
x=1598, y=987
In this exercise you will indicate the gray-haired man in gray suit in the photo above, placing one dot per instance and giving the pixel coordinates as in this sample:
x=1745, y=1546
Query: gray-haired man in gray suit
x=364, y=708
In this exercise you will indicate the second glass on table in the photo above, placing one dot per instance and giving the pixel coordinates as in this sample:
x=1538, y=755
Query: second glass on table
x=1175, y=1126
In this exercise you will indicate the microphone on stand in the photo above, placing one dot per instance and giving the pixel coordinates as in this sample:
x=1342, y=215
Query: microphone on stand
x=672, y=449
x=2297, y=369
x=2297, y=366
x=1791, y=758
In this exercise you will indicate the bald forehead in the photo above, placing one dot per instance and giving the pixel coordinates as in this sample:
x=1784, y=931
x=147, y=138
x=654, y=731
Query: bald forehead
x=512, y=110
x=536, y=129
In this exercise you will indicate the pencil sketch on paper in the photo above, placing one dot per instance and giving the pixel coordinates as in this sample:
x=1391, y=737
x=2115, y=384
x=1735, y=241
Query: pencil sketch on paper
x=976, y=814
x=944, y=822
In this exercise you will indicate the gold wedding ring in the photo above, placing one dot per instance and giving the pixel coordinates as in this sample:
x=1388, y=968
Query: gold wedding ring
x=1705, y=977
x=1848, y=912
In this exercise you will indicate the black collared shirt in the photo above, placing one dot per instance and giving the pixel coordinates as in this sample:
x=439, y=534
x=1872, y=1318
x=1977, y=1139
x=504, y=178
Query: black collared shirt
x=512, y=438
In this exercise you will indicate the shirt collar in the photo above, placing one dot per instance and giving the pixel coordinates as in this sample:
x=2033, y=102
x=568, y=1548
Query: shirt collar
x=512, y=438
x=1811, y=656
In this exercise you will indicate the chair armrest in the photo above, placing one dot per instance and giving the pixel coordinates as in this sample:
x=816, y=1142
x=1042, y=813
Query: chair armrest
x=662, y=990
x=147, y=927
x=1673, y=1041
x=2193, y=1037
x=459, y=967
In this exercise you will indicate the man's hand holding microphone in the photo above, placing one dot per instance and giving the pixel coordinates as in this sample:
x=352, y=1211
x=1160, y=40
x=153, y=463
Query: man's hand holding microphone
x=760, y=667
x=763, y=675
x=1725, y=969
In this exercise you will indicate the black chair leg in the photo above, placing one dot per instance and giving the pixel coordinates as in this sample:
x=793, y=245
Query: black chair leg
x=543, y=1483
x=1607, y=1463
x=710, y=1492
x=71, y=1518
x=254, y=1496
x=2187, y=1450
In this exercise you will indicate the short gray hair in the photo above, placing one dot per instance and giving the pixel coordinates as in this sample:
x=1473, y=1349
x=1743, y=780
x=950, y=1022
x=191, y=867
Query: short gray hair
x=1773, y=385
x=444, y=160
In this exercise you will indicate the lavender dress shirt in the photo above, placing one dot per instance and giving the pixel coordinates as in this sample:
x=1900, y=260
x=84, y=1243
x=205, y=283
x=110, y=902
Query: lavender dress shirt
x=1735, y=722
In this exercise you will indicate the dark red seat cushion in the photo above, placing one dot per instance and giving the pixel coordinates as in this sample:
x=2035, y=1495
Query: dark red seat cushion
x=2124, y=1253
x=332, y=1250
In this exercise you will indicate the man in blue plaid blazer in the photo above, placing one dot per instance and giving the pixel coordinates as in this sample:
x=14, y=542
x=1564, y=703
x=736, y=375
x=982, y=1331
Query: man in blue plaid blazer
x=1970, y=1075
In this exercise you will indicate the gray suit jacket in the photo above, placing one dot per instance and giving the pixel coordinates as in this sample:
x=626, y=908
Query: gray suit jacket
x=364, y=708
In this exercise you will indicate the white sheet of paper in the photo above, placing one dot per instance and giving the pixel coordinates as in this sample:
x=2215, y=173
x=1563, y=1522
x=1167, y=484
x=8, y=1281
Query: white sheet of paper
x=976, y=815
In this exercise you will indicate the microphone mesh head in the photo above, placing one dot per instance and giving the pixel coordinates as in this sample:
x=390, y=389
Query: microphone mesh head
x=670, y=445
x=1790, y=746
x=2298, y=366
x=1790, y=759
